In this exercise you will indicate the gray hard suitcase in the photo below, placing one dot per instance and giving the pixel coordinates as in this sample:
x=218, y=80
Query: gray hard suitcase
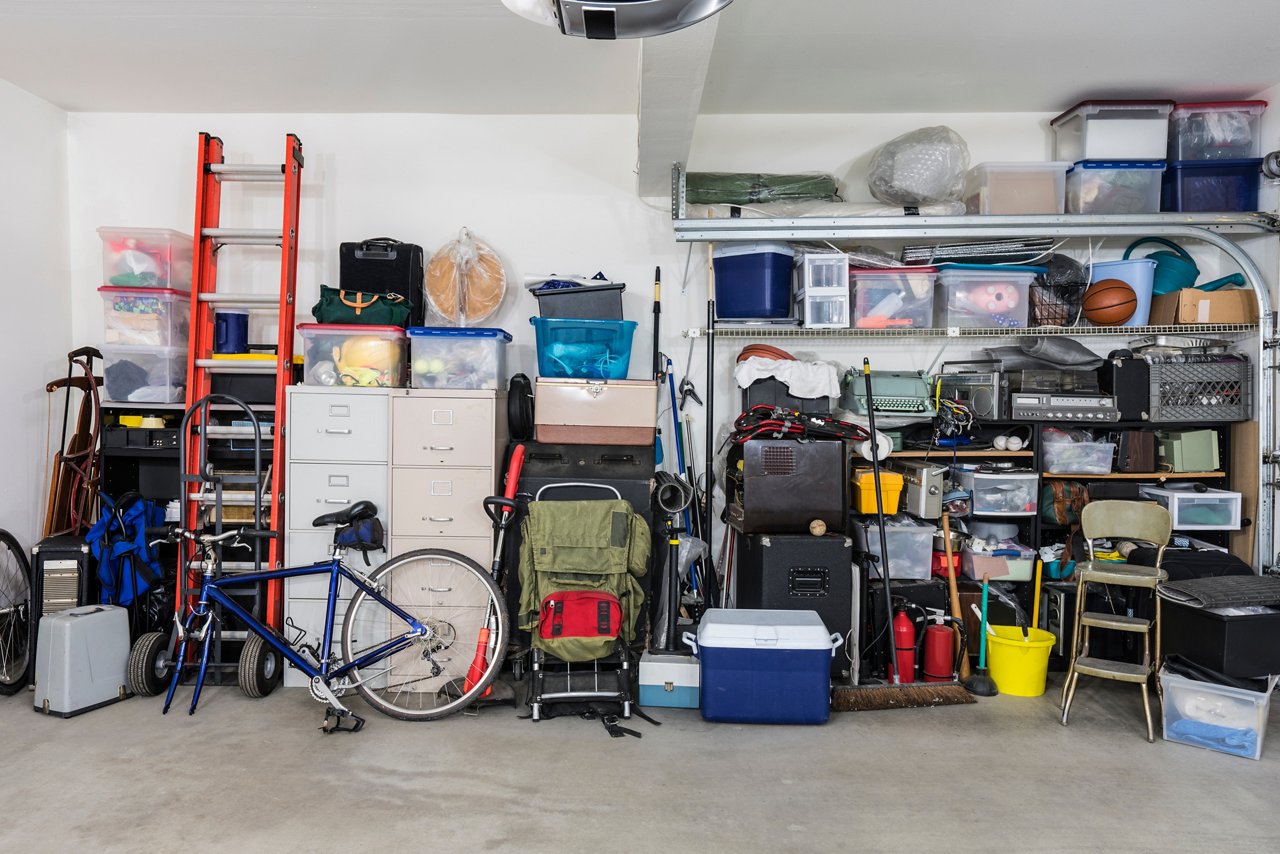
x=81, y=660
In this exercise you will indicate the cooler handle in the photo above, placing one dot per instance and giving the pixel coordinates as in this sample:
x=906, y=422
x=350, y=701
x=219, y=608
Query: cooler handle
x=691, y=640
x=836, y=640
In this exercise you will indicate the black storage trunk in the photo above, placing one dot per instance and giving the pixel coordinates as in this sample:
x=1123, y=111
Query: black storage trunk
x=384, y=266
x=589, y=302
x=786, y=485
x=62, y=577
x=1237, y=645
x=627, y=468
x=800, y=572
x=773, y=392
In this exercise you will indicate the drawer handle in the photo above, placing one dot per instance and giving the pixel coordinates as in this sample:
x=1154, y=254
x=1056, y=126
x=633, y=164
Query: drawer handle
x=438, y=518
x=437, y=447
x=338, y=431
x=337, y=501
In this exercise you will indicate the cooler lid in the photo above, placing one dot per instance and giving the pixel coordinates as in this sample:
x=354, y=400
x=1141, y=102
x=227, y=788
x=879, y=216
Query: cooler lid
x=1163, y=106
x=743, y=628
x=730, y=250
x=1116, y=164
x=350, y=329
x=143, y=292
x=457, y=332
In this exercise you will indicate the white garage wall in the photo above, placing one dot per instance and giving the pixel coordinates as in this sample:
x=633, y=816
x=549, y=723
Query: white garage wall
x=36, y=333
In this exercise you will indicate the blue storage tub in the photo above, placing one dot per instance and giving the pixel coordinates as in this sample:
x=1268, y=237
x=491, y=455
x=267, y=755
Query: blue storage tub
x=764, y=667
x=452, y=357
x=753, y=280
x=1137, y=273
x=570, y=348
x=1211, y=185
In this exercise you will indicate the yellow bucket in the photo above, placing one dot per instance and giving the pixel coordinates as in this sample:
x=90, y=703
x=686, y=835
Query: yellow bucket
x=1019, y=667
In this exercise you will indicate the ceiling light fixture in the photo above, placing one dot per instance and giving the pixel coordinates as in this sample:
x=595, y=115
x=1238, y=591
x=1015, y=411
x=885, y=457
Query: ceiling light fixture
x=621, y=19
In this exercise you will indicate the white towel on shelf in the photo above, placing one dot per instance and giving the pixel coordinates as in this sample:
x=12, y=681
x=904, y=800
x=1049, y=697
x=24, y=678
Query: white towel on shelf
x=802, y=379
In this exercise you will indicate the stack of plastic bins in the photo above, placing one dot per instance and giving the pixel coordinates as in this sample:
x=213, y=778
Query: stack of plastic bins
x=1215, y=153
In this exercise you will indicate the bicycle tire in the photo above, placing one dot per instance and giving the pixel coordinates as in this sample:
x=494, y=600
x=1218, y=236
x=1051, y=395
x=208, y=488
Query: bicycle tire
x=15, y=615
x=454, y=597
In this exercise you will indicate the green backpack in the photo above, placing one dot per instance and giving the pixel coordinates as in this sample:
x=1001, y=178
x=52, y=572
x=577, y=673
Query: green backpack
x=593, y=551
x=358, y=307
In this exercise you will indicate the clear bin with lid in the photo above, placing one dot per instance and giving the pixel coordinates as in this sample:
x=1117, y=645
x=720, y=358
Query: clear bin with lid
x=445, y=357
x=145, y=317
x=346, y=354
x=144, y=374
x=984, y=296
x=1216, y=130
x=146, y=258
x=1016, y=188
x=1114, y=186
x=893, y=298
x=1200, y=509
x=1112, y=130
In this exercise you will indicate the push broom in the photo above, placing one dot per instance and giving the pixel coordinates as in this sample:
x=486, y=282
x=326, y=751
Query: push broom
x=897, y=695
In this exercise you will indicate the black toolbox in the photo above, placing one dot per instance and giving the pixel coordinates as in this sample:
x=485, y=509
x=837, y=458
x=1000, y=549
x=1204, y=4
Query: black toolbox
x=801, y=572
x=1238, y=641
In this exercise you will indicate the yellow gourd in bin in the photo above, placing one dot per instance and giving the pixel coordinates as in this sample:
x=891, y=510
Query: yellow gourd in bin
x=367, y=360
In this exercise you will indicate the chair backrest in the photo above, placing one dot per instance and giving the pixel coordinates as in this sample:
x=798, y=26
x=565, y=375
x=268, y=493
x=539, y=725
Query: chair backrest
x=1129, y=520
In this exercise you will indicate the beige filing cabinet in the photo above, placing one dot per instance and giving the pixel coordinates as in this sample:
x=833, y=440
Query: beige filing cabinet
x=427, y=459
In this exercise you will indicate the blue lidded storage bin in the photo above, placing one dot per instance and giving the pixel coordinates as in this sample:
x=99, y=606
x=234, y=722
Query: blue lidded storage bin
x=1211, y=185
x=753, y=280
x=571, y=348
x=452, y=357
x=764, y=667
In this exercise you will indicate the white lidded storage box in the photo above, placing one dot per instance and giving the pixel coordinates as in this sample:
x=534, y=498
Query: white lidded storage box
x=1000, y=493
x=910, y=544
x=144, y=374
x=1217, y=717
x=984, y=296
x=595, y=412
x=822, y=289
x=445, y=357
x=146, y=258
x=1112, y=130
x=995, y=567
x=348, y=354
x=1192, y=510
x=764, y=667
x=81, y=658
x=1016, y=188
x=1114, y=186
x=145, y=317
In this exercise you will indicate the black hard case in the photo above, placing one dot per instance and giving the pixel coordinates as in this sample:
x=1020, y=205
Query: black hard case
x=1238, y=645
x=62, y=577
x=800, y=572
x=384, y=266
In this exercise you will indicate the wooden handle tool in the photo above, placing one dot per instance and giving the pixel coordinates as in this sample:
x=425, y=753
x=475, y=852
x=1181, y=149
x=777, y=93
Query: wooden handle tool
x=954, y=591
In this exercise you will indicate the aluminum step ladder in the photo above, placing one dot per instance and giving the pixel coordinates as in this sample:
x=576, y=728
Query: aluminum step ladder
x=211, y=237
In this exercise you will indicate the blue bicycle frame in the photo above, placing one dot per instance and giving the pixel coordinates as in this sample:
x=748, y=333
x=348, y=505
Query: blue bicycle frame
x=211, y=591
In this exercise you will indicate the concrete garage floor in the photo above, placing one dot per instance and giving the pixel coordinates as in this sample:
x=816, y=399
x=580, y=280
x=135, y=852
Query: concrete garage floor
x=256, y=775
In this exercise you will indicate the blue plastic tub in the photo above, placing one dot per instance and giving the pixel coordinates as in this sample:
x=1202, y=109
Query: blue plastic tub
x=1137, y=273
x=753, y=281
x=570, y=348
x=1211, y=185
x=764, y=667
x=449, y=357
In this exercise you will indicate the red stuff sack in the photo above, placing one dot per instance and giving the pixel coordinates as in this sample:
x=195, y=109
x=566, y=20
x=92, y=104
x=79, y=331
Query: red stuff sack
x=580, y=614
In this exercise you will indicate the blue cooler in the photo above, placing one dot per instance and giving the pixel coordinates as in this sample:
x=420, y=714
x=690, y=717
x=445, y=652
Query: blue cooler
x=753, y=280
x=764, y=667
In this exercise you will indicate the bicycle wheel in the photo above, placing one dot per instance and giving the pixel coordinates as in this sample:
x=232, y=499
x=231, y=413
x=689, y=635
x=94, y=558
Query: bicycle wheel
x=433, y=675
x=15, y=614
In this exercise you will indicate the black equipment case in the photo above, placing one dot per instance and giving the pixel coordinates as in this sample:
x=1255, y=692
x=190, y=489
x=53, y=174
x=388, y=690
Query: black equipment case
x=62, y=577
x=382, y=265
x=800, y=572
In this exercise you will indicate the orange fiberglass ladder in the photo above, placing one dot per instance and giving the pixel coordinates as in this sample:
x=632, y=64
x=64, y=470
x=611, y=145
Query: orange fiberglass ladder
x=210, y=238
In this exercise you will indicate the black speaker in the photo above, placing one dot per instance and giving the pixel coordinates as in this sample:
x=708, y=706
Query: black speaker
x=800, y=572
x=1129, y=380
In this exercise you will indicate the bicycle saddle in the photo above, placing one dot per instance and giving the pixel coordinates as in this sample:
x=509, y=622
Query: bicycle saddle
x=354, y=513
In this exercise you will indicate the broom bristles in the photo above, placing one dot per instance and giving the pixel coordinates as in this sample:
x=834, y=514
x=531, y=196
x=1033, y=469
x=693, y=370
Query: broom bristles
x=916, y=695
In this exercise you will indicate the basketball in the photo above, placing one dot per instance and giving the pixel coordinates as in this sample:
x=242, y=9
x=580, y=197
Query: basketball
x=1109, y=302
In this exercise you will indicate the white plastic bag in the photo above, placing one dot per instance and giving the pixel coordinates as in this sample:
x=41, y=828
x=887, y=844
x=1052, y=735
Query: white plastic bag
x=465, y=281
x=925, y=166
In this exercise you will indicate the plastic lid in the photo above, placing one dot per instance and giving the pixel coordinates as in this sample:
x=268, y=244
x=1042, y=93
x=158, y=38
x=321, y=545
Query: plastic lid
x=456, y=332
x=118, y=232
x=581, y=321
x=1116, y=164
x=1096, y=106
x=729, y=250
x=559, y=286
x=1024, y=166
x=143, y=292
x=145, y=350
x=889, y=271
x=1244, y=162
x=742, y=628
x=349, y=329
x=992, y=268
x=1202, y=106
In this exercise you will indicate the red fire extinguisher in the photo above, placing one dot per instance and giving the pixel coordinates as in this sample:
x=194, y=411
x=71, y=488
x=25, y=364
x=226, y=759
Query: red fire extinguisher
x=937, y=663
x=903, y=667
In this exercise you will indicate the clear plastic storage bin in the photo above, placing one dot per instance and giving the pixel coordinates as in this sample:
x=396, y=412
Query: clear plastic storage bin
x=1217, y=717
x=910, y=543
x=146, y=317
x=980, y=296
x=341, y=354
x=1210, y=510
x=974, y=565
x=1078, y=457
x=900, y=297
x=1016, y=188
x=822, y=289
x=583, y=349
x=1112, y=130
x=146, y=258
x=1216, y=130
x=458, y=358
x=145, y=374
x=1211, y=185
x=1114, y=187
x=1000, y=493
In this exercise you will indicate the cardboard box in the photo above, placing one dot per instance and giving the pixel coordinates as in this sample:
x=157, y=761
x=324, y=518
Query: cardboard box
x=1235, y=305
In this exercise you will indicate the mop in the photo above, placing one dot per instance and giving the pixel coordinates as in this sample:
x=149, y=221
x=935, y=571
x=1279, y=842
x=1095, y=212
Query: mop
x=898, y=695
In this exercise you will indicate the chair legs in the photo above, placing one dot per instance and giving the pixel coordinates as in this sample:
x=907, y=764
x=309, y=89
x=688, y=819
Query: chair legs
x=1146, y=707
x=1069, y=689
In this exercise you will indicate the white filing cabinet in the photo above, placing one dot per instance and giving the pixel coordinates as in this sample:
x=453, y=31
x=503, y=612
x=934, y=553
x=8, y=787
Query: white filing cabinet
x=426, y=458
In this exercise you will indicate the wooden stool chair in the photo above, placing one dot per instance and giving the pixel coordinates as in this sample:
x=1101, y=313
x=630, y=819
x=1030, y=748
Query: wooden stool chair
x=1129, y=520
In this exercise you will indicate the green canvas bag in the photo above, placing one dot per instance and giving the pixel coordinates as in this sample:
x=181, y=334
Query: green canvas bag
x=368, y=309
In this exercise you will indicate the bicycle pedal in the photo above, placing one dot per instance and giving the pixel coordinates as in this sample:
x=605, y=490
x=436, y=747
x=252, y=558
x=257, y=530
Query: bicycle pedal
x=333, y=722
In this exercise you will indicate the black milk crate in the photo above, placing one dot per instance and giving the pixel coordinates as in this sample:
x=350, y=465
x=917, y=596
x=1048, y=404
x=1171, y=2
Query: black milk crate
x=1202, y=391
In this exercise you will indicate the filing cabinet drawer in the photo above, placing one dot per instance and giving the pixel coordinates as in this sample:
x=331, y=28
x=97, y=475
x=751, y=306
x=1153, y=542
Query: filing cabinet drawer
x=442, y=502
x=442, y=431
x=318, y=488
x=313, y=546
x=479, y=549
x=338, y=426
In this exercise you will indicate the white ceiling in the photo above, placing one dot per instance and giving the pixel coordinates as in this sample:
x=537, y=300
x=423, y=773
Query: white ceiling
x=769, y=56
